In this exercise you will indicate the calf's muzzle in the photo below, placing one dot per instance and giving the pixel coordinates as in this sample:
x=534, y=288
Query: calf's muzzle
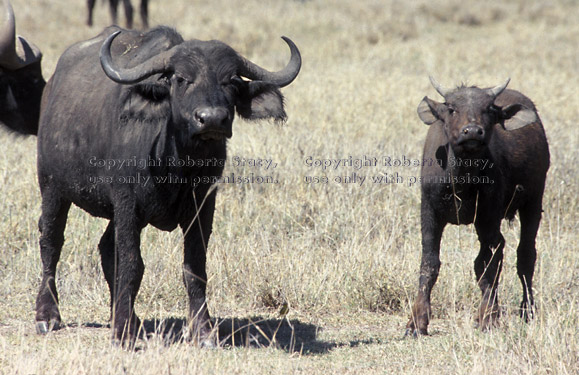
x=471, y=135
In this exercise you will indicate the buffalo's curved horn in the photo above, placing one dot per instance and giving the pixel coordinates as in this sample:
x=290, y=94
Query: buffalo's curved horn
x=15, y=51
x=281, y=78
x=156, y=64
x=7, y=30
x=438, y=87
x=495, y=91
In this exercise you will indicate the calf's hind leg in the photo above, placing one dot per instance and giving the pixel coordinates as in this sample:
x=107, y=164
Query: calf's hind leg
x=51, y=225
x=527, y=255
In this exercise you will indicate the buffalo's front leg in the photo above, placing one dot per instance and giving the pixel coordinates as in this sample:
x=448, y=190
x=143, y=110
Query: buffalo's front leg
x=432, y=230
x=108, y=259
x=488, y=266
x=196, y=233
x=127, y=273
x=52, y=223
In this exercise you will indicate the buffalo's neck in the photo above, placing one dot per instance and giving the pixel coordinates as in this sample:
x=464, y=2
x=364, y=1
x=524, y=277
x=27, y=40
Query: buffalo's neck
x=479, y=164
x=469, y=180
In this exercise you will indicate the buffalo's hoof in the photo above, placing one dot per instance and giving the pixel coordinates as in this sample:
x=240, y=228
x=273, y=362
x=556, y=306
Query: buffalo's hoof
x=43, y=327
x=204, y=338
x=527, y=313
x=410, y=332
x=208, y=343
x=125, y=344
x=415, y=333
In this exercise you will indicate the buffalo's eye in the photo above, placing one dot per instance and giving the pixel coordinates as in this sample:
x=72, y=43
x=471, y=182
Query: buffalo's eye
x=494, y=111
x=451, y=111
x=233, y=84
x=235, y=79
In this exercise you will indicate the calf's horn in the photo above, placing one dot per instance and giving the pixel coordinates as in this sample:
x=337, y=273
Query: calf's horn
x=438, y=87
x=495, y=91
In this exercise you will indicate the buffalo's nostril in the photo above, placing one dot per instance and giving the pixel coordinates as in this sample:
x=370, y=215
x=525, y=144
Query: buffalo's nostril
x=473, y=131
x=209, y=117
x=200, y=117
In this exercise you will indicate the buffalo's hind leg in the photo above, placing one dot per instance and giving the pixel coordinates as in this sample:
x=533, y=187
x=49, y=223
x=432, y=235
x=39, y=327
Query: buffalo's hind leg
x=128, y=13
x=144, y=14
x=113, y=9
x=197, y=233
x=530, y=216
x=51, y=225
x=90, y=7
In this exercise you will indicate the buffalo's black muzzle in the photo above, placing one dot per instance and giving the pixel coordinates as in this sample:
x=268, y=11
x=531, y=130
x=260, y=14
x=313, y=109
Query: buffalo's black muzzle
x=213, y=123
x=471, y=137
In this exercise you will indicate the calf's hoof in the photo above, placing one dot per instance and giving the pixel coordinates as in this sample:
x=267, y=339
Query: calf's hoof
x=43, y=327
x=415, y=333
x=526, y=312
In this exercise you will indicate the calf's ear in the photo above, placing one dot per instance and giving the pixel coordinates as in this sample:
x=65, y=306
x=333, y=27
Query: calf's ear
x=261, y=100
x=516, y=116
x=427, y=111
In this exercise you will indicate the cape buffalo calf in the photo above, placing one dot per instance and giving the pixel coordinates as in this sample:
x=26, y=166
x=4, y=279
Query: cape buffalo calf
x=492, y=158
x=138, y=138
x=21, y=81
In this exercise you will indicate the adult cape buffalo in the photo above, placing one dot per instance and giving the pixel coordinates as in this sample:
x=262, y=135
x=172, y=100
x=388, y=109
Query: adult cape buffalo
x=493, y=159
x=116, y=138
x=21, y=81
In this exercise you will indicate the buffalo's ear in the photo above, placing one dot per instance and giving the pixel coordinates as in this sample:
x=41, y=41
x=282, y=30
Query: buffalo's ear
x=516, y=116
x=261, y=100
x=427, y=111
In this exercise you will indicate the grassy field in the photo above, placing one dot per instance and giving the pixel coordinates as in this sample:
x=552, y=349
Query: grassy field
x=343, y=257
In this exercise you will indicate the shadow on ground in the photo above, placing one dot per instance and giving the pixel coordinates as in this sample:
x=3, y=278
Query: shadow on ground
x=256, y=332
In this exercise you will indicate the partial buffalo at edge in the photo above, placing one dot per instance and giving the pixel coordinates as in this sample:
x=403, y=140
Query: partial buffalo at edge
x=21, y=81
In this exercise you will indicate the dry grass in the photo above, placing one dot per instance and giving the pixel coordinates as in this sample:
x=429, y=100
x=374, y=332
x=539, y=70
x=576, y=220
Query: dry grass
x=343, y=257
